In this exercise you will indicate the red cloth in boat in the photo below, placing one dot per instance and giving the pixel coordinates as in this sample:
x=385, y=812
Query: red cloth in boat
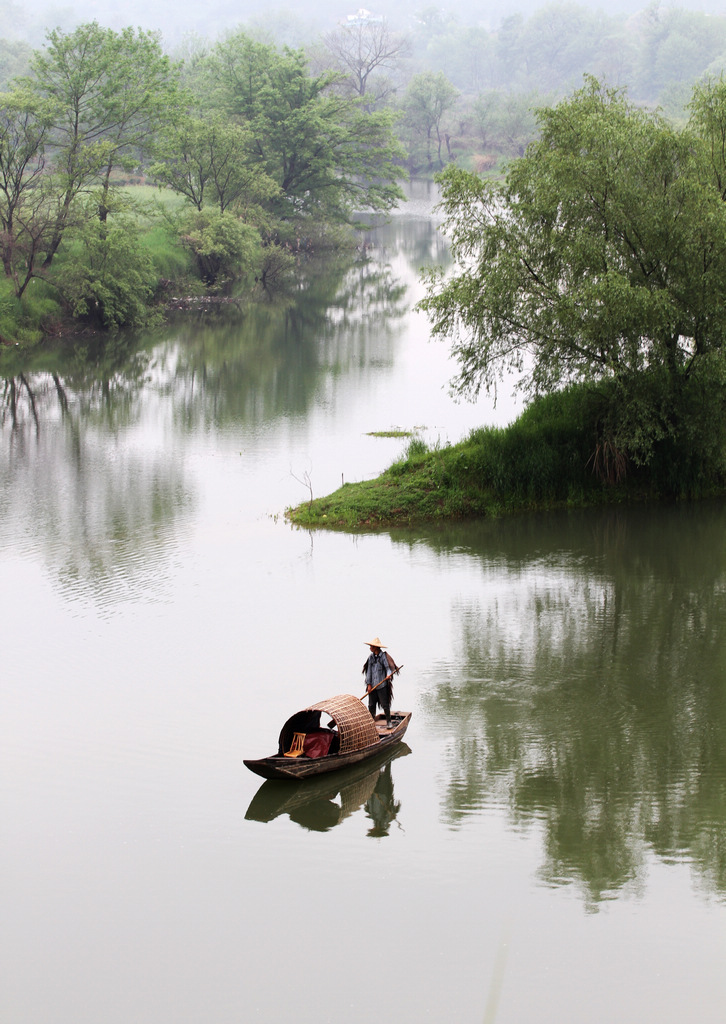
x=317, y=744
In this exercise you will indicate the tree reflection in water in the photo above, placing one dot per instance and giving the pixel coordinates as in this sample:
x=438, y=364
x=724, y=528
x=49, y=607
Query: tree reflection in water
x=591, y=698
x=85, y=429
x=72, y=474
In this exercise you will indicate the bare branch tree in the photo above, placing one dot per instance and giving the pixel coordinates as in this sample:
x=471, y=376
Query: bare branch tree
x=306, y=481
x=362, y=48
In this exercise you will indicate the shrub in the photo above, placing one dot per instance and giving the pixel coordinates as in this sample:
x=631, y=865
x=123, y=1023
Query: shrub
x=111, y=278
x=224, y=247
x=545, y=453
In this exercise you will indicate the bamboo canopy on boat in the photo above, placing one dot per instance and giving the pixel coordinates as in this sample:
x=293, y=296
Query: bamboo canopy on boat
x=356, y=728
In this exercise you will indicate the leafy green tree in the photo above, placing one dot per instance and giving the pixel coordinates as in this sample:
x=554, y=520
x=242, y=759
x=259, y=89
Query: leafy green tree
x=110, y=278
x=110, y=92
x=600, y=258
x=428, y=98
x=25, y=215
x=223, y=247
x=141, y=95
x=328, y=156
x=210, y=161
x=708, y=122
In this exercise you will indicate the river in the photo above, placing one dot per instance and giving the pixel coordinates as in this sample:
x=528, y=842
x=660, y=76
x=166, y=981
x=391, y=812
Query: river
x=550, y=843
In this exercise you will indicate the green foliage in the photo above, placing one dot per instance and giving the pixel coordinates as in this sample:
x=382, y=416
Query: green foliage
x=601, y=257
x=223, y=247
x=22, y=320
x=111, y=280
x=266, y=140
x=207, y=160
x=541, y=460
x=555, y=454
x=672, y=436
x=428, y=99
x=26, y=208
x=328, y=156
x=546, y=455
x=107, y=93
x=416, y=446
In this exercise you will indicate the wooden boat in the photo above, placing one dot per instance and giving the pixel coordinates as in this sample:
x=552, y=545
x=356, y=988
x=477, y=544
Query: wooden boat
x=306, y=749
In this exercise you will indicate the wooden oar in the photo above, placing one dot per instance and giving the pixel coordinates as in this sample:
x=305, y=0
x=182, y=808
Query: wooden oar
x=389, y=676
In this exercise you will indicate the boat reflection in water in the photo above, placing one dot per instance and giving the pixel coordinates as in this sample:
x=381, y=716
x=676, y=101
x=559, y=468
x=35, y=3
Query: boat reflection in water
x=322, y=803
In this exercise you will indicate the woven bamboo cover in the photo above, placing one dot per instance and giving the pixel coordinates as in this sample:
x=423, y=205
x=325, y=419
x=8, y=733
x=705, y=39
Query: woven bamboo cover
x=355, y=725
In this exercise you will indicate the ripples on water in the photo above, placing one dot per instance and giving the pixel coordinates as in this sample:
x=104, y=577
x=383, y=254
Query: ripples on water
x=568, y=744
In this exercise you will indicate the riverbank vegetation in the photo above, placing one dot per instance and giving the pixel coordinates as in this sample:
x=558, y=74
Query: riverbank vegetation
x=274, y=138
x=263, y=156
x=552, y=456
x=597, y=270
x=588, y=232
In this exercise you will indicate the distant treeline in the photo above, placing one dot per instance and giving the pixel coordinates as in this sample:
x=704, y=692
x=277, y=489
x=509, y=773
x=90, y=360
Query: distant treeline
x=465, y=89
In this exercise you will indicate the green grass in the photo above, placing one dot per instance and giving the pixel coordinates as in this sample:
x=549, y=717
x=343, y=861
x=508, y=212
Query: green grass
x=25, y=321
x=157, y=234
x=390, y=433
x=542, y=460
x=554, y=455
x=171, y=261
x=149, y=196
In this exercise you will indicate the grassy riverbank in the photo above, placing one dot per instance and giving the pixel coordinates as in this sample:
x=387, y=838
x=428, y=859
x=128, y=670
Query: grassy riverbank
x=49, y=306
x=550, y=457
x=152, y=258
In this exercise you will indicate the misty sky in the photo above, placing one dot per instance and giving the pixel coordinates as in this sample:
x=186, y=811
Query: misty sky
x=291, y=23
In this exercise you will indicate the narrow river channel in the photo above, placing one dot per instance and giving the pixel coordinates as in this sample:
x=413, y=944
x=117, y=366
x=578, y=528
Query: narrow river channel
x=548, y=846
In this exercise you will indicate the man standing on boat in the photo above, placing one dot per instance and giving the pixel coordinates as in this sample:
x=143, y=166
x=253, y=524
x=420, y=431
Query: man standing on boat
x=379, y=670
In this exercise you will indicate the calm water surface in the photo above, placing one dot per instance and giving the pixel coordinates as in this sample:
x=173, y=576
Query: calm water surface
x=550, y=844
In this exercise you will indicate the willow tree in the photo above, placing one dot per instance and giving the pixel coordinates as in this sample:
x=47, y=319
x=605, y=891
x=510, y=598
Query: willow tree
x=601, y=258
